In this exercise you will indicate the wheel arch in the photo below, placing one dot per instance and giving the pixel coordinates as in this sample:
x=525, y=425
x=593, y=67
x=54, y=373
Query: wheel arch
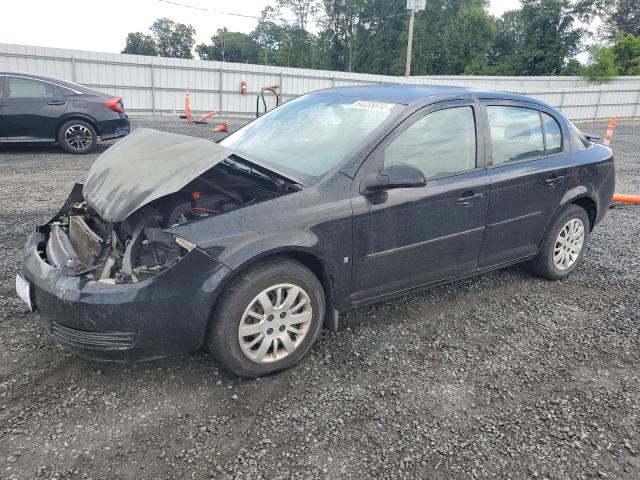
x=590, y=206
x=584, y=197
x=307, y=257
x=76, y=116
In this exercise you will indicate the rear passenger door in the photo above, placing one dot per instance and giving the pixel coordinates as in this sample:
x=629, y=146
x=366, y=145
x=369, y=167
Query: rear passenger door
x=530, y=167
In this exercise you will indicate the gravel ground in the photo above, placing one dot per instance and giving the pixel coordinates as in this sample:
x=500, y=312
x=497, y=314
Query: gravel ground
x=500, y=376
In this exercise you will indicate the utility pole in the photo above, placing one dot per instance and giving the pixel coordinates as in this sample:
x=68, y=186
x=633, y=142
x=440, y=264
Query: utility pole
x=407, y=69
x=413, y=6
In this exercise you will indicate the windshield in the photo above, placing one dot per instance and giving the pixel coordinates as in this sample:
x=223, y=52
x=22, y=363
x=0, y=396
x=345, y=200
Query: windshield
x=309, y=136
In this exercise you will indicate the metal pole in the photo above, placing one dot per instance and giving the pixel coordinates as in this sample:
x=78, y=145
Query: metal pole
x=153, y=90
x=407, y=70
x=220, y=73
x=73, y=70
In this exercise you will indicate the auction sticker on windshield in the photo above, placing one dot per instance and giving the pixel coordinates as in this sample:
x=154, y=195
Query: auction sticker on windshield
x=372, y=106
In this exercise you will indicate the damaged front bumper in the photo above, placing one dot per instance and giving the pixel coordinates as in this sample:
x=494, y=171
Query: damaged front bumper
x=164, y=315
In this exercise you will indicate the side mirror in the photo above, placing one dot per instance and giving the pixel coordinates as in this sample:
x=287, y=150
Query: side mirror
x=395, y=175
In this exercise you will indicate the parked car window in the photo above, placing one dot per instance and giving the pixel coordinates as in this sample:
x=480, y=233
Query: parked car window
x=439, y=143
x=516, y=134
x=309, y=136
x=552, y=134
x=578, y=140
x=25, y=87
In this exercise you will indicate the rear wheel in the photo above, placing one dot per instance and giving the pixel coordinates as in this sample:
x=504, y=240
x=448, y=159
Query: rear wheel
x=563, y=246
x=77, y=136
x=267, y=319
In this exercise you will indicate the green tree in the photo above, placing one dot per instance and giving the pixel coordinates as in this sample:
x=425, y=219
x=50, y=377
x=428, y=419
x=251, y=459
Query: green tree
x=140, y=44
x=283, y=44
x=602, y=64
x=173, y=39
x=617, y=16
x=229, y=46
x=539, y=39
x=301, y=9
x=507, y=44
x=467, y=40
x=627, y=53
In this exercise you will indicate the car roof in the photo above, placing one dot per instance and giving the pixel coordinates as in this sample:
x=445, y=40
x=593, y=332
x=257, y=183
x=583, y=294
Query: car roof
x=407, y=94
x=58, y=81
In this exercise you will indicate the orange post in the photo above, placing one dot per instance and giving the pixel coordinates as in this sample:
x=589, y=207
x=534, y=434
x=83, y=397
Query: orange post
x=610, y=128
x=618, y=197
x=187, y=107
x=207, y=116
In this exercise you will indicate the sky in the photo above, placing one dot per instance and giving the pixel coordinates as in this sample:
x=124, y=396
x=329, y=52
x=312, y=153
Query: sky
x=103, y=26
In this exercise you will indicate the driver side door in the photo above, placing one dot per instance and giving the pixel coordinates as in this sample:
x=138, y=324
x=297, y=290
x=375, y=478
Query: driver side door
x=408, y=237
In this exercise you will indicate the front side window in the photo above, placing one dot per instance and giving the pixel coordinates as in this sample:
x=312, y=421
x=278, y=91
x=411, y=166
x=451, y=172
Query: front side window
x=516, y=134
x=441, y=142
x=26, y=87
x=307, y=137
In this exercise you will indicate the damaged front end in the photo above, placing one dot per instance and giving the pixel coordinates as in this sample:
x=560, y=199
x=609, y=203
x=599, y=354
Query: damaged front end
x=81, y=243
x=108, y=277
x=116, y=230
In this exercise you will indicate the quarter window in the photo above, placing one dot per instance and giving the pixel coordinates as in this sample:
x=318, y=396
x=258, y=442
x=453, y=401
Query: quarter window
x=552, y=134
x=441, y=142
x=516, y=134
x=25, y=87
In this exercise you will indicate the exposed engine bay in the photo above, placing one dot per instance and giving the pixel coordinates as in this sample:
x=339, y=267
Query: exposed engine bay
x=80, y=242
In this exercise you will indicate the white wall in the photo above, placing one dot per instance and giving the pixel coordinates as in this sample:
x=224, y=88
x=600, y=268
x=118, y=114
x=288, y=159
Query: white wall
x=156, y=85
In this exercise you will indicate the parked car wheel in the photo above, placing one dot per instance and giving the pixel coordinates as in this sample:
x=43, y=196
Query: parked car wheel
x=267, y=319
x=563, y=245
x=77, y=136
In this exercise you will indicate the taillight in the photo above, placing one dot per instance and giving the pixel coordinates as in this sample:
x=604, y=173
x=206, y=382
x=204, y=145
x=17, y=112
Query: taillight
x=115, y=104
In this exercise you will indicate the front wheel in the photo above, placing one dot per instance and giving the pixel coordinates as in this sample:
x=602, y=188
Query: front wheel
x=267, y=319
x=77, y=136
x=563, y=245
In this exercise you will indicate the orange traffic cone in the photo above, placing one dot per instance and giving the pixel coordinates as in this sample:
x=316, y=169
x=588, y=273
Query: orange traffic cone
x=221, y=127
x=187, y=107
x=610, y=128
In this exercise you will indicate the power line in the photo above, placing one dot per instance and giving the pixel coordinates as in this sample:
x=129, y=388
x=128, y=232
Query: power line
x=242, y=15
x=369, y=40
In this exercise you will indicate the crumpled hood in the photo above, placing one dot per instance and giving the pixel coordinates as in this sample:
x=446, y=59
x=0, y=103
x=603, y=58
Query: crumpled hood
x=144, y=166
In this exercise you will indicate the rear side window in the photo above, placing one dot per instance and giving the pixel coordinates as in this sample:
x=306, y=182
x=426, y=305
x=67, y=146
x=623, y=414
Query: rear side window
x=578, y=140
x=516, y=134
x=552, y=134
x=441, y=142
x=26, y=87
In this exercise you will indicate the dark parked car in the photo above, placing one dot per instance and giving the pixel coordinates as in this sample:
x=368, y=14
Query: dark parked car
x=37, y=108
x=340, y=197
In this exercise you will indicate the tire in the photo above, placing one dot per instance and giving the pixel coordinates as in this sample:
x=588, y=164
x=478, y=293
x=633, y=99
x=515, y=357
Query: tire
x=240, y=353
x=544, y=265
x=77, y=137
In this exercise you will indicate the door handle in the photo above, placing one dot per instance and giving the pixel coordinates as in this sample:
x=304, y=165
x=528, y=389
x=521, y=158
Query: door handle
x=554, y=180
x=468, y=198
x=56, y=102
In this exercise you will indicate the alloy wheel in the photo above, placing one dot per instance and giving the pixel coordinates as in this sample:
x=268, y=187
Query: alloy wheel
x=78, y=137
x=568, y=244
x=275, y=323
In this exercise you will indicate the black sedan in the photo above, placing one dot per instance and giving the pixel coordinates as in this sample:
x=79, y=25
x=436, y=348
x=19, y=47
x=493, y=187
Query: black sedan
x=337, y=198
x=37, y=108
